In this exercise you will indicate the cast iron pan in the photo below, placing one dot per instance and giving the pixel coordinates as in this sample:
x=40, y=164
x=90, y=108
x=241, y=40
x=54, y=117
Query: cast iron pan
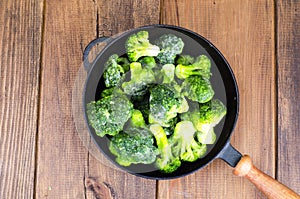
x=225, y=86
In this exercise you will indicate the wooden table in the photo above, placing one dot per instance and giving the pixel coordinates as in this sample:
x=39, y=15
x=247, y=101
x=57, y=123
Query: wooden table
x=41, y=45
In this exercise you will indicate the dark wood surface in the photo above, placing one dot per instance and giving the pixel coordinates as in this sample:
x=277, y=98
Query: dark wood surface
x=41, y=46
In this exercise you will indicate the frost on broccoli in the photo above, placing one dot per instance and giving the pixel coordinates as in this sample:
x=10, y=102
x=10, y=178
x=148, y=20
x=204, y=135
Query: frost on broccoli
x=104, y=115
x=184, y=144
x=133, y=149
x=197, y=88
x=201, y=66
x=165, y=103
x=166, y=161
x=148, y=62
x=170, y=46
x=138, y=45
x=113, y=72
x=185, y=59
x=139, y=80
x=205, y=118
x=136, y=124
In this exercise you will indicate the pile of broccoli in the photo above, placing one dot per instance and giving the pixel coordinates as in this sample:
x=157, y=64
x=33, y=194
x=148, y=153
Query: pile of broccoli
x=158, y=105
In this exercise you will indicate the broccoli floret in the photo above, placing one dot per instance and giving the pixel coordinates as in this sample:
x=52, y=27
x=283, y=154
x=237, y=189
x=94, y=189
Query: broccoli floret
x=124, y=62
x=172, y=123
x=136, y=124
x=113, y=72
x=205, y=119
x=139, y=81
x=165, y=103
x=168, y=73
x=133, y=149
x=148, y=62
x=201, y=67
x=183, y=143
x=166, y=161
x=104, y=115
x=138, y=45
x=211, y=113
x=197, y=88
x=142, y=104
x=185, y=59
x=170, y=46
x=107, y=92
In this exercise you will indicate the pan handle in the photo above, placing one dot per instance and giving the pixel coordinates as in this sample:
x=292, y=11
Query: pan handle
x=243, y=167
x=87, y=64
x=266, y=184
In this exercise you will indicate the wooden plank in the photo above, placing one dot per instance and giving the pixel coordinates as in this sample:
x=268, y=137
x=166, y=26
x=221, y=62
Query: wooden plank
x=62, y=159
x=244, y=32
x=288, y=60
x=65, y=169
x=20, y=41
x=131, y=14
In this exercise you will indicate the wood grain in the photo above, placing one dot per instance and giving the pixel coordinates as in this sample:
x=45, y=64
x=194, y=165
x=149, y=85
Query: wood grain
x=20, y=39
x=244, y=32
x=62, y=159
x=288, y=60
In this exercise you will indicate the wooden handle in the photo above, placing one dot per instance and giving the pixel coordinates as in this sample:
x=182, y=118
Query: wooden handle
x=269, y=186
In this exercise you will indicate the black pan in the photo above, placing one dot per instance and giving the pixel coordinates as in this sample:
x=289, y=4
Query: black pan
x=223, y=82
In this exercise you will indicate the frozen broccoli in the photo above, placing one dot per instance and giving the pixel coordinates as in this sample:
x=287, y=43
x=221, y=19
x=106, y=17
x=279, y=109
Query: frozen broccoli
x=133, y=149
x=197, y=88
x=124, y=62
x=104, y=115
x=201, y=67
x=142, y=104
x=170, y=46
x=138, y=45
x=166, y=161
x=185, y=59
x=136, y=124
x=171, y=126
x=205, y=118
x=148, y=62
x=139, y=81
x=168, y=73
x=107, y=92
x=165, y=103
x=113, y=72
x=184, y=144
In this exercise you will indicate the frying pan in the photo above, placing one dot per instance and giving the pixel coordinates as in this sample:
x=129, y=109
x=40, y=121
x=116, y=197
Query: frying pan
x=225, y=86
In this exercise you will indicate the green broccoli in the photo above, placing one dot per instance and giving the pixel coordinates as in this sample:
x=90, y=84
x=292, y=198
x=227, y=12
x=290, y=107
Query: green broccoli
x=201, y=67
x=136, y=124
x=165, y=103
x=197, y=88
x=183, y=143
x=139, y=81
x=168, y=73
x=124, y=62
x=166, y=161
x=138, y=45
x=148, y=62
x=170, y=46
x=133, y=149
x=107, y=92
x=184, y=59
x=113, y=72
x=104, y=115
x=141, y=103
x=171, y=126
x=205, y=119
